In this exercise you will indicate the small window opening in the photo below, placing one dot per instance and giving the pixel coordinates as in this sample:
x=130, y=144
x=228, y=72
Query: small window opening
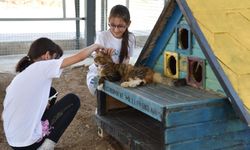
x=183, y=38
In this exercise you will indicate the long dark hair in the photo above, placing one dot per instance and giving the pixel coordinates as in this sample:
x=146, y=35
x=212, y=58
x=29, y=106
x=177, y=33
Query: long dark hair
x=38, y=48
x=122, y=12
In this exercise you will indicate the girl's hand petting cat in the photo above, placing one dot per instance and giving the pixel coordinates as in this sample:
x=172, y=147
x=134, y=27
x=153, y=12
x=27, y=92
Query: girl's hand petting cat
x=109, y=51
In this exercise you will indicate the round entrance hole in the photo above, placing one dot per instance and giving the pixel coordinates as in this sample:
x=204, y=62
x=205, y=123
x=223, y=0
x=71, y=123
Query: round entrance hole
x=172, y=65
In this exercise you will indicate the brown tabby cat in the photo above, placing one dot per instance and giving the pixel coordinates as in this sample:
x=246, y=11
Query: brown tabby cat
x=129, y=75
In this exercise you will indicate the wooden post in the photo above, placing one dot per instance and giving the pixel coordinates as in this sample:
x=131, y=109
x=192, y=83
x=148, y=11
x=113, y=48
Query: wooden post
x=101, y=102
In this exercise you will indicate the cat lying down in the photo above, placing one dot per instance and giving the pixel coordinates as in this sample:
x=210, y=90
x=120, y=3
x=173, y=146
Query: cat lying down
x=129, y=75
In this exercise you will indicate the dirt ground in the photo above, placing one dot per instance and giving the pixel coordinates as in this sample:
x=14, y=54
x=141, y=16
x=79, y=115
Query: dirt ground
x=82, y=132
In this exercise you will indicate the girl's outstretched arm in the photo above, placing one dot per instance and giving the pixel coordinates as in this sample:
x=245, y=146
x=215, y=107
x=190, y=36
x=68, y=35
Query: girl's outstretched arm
x=83, y=54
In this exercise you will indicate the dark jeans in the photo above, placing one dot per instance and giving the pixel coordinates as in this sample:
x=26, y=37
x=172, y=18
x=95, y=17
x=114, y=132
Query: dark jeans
x=59, y=116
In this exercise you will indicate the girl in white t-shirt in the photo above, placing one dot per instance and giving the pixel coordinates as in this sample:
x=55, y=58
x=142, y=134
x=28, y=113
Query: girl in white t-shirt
x=28, y=122
x=118, y=38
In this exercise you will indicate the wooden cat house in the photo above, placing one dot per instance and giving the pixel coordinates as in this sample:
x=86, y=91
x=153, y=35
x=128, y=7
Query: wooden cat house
x=207, y=43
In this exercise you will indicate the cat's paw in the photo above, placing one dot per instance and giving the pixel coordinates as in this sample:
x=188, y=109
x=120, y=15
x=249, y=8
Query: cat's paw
x=100, y=87
x=135, y=83
x=125, y=84
x=131, y=83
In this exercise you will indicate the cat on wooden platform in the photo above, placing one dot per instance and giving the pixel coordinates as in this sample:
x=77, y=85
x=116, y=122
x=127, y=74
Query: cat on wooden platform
x=129, y=75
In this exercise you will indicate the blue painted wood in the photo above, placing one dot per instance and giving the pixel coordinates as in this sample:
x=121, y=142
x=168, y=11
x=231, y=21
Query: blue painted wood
x=154, y=99
x=227, y=141
x=210, y=74
x=214, y=86
x=164, y=37
x=199, y=130
x=142, y=103
x=217, y=111
x=197, y=52
x=158, y=68
x=183, y=96
x=239, y=146
x=182, y=75
x=170, y=47
x=172, y=40
x=159, y=65
x=211, y=81
x=132, y=128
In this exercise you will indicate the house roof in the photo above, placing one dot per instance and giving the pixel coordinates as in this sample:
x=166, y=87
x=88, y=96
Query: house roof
x=222, y=29
x=225, y=27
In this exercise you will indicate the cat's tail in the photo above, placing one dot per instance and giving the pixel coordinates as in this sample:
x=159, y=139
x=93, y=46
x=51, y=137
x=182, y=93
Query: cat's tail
x=157, y=77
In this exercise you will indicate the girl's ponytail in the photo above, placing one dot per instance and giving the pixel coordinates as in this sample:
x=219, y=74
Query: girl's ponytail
x=124, y=48
x=23, y=63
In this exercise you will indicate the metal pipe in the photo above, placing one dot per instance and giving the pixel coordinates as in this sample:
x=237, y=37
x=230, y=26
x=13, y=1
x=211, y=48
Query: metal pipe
x=77, y=15
x=104, y=7
x=41, y=19
x=64, y=9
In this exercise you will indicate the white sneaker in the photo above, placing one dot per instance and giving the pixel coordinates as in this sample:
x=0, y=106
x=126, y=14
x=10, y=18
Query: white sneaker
x=47, y=145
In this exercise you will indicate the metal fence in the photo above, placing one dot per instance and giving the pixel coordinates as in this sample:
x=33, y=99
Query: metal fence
x=26, y=20
x=64, y=21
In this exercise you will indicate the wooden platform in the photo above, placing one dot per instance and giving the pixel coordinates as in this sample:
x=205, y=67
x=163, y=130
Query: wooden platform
x=133, y=128
x=156, y=99
x=177, y=118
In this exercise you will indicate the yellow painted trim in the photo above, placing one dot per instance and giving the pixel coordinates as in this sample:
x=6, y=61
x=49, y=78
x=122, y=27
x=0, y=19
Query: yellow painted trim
x=167, y=70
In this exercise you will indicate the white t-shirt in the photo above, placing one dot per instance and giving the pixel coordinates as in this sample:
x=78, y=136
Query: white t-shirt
x=26, y=100
x=106, y=39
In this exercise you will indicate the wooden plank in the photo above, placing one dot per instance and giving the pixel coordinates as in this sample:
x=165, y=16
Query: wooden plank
x=189, y=92
x=170, y=96
x=211, y=81
x=241, y=146
x=191, y=115
x=146, y=127
x=154, y=99
x=215, y=86
x=200, y=130
x=227, y=141
x=112, y=103
x=198, y=53
x=101, y=102
x=145, y=91
x=171, y=43
x=116, y=124
x=181, y=94
x=210, y=73
x=170, y=93
x=189, y=96
x=158, y=68
x=171, y=46
x=136, y=100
